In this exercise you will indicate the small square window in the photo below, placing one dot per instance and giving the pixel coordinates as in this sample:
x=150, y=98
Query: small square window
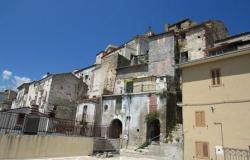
x=86, y=77
x=106, y=107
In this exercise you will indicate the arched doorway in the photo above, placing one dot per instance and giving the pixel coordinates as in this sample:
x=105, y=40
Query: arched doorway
x=115, y=129
x=153, y=130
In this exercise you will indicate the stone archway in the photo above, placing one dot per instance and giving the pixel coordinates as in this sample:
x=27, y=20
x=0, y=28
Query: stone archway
x=115, y=129
x=153, y=130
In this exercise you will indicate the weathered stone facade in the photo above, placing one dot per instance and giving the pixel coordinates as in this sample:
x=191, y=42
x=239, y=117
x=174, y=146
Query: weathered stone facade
x=138, y=78
x=129, y=83
x=6, y=99
x=57, y=93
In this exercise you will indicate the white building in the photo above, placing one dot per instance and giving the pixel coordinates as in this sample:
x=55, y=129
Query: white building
x=57, y=93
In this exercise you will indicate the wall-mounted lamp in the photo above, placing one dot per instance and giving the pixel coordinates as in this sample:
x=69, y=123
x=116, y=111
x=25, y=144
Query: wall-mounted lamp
x=212, y=108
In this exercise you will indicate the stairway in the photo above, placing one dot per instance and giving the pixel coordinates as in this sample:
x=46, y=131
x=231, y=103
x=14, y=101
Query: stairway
x=161, y=151
x=106, y=145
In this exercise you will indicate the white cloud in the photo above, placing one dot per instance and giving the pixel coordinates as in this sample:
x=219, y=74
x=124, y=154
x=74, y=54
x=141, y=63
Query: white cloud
x=12, y=81
x=6, y=74
x=20, y=80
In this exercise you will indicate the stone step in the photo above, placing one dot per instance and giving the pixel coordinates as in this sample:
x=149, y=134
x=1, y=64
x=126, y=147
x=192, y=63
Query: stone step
x=106, y=145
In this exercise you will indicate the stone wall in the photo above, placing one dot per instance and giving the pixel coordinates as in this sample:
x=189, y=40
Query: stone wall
x=34, y=146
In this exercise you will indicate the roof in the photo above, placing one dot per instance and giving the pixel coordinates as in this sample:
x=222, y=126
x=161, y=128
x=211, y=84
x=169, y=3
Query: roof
x=161, y=34
x=51, y=75
x=232, y=37
x=80, y=70
x=215, y=58
x=22, y=85
x=179, y=22
x=106, y=54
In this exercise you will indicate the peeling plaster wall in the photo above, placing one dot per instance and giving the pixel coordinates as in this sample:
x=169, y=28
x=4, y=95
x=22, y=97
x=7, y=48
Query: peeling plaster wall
x=87, y=76
x=161, y=52
x=90, y=112
x=136, y=107
x=38, y=93
x=104, y=75
x=60, y=90
x=161, y=56
x=198, y=39
x=195, y=44
x=64, y=92
x=21, y=99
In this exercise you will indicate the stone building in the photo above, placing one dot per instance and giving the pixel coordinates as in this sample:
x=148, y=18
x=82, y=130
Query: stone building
x=216, y=122
x=6, y=99
x=21, y=97
x=138, y=79
x=193, y=39
x=143, y=77
x=56, y=93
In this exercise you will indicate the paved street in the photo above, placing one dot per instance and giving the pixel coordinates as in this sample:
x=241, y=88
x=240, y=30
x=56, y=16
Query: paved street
x=95, y=158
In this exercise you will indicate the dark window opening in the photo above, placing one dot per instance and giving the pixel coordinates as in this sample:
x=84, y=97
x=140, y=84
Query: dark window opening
x=86, y=77
x=85, y=108
x=106, y=107
x=118, y=106
x=215, y=75
x=129, y=87
x=20, y=119
x=183, y=36
x=184, y=56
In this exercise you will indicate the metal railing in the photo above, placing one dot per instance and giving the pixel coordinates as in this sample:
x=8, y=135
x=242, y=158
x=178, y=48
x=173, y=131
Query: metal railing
x=36, y=124
x=10, y=123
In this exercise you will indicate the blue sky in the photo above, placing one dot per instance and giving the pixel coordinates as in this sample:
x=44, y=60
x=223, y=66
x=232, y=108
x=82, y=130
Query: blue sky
x=39, y=36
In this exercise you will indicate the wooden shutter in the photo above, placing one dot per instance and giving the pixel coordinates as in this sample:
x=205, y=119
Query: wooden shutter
x=213, y=77
x=200, y=119
x=198, y=148
x=202, y=149
x=205, y=149
x=218, y=76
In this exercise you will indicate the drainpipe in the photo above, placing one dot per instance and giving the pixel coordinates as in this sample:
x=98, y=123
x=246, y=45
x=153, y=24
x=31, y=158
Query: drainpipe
x=221, y=130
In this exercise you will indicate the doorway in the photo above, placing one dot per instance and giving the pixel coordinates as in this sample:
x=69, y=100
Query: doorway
x=115, y=129
x=153, y=130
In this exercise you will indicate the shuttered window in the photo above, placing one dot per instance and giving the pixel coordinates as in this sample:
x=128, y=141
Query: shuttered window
x=200, y=119
x=202, y=149
x=216, y=76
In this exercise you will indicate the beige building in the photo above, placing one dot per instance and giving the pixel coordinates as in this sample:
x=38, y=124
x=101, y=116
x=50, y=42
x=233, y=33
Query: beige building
x=216, y=101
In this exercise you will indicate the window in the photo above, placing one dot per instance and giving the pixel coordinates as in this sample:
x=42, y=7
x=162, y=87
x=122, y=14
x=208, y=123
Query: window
x=202, y=149
x=118, y=106
x=106, y=107
x=129, y=87
x=200, y=119
x=184, y=56
x=85, y=109
x=215, y=75
x=183, y=36
x=20, y=119
x=86, y=77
